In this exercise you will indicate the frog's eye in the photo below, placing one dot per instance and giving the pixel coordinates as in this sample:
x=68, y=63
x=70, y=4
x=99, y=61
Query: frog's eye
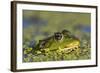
x=65, y=31
x=58, y=35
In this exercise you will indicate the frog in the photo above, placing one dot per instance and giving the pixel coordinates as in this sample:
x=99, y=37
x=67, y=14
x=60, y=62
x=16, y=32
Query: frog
x=63, y=41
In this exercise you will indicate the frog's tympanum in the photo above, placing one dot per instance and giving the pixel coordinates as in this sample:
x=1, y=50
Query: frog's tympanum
x=61, y=41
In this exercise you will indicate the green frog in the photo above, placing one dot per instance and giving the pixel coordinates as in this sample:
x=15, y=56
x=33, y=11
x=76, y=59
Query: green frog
x=60, y=42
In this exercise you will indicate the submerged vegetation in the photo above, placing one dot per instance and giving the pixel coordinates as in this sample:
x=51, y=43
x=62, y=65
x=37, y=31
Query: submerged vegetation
x=55, y=36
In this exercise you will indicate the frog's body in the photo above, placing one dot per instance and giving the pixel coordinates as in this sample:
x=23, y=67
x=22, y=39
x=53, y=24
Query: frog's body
x=62, y=42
